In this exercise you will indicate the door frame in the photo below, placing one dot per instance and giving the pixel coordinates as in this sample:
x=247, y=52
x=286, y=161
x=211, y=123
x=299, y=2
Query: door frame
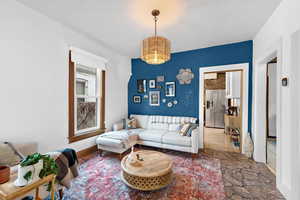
x=259, y=109
x=244, y=67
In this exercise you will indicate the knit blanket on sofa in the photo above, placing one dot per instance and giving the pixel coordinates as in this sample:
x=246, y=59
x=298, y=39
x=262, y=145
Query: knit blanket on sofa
x=67, y=162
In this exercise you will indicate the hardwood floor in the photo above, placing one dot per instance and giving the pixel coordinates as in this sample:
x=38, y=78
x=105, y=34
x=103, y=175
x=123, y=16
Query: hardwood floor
x=216, y=139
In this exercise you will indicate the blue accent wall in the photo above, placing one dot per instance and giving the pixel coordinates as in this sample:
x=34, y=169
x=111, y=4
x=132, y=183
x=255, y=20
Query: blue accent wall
x=186, y=95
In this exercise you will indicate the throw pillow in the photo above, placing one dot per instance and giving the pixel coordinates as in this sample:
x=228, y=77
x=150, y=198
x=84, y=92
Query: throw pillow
x=191, y=128
x=8, y=156
x=118, y=126
x=130, y=123
x=184, y=129
x=160, y=126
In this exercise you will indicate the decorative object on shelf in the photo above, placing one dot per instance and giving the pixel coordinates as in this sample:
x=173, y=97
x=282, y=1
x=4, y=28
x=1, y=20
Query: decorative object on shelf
x=160, y=78
x=141, y=86
x=159, y=87
x=146, y=96
x=170, y=89
x=155, y=49
x=235, y=136
x=164, y=100
x=154, y=98
x=28, y=173
x=185, y=76
x=137, y=99
x=152, y=84
x=170, y=104
x=4, y=174
x=35, y=166
x=175, y=102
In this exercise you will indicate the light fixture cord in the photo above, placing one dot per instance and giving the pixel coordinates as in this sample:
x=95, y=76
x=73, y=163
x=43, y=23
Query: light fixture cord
x=155, y=20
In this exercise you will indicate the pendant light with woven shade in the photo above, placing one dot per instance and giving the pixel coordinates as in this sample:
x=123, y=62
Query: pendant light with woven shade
x=155, y=49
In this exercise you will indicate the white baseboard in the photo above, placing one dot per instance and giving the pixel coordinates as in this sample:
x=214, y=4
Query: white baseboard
x=285, y=191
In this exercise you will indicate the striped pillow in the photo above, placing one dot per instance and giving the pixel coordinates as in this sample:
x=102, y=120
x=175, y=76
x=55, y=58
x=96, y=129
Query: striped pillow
x=184, y=129
x=192, y=127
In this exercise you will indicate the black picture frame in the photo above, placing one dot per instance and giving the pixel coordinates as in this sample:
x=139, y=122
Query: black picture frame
x=141, y=86
x=170, y=89
x=137, y=99
x=152, y=84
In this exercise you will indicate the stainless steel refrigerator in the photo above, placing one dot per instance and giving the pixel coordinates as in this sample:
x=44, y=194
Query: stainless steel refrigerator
x=215, y=108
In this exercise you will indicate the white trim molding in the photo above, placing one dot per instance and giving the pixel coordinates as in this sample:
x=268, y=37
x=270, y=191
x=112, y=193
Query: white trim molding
x=295, y=119
x=85, y=58
x=244, y=67
x=259, y=112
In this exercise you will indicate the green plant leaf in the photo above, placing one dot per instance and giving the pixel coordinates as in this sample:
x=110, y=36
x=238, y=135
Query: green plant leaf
x=28, y=175
x=49, y=166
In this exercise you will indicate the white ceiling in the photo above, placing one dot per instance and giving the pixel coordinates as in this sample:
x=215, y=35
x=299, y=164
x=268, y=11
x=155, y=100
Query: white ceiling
x=189, y=24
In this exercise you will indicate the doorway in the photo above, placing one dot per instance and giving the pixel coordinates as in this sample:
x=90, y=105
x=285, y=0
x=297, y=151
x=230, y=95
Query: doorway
x=244, y=68
x=222, y=110
x=271, y=104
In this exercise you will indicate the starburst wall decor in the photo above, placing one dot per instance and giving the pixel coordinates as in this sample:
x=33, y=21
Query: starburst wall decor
x=185, y=76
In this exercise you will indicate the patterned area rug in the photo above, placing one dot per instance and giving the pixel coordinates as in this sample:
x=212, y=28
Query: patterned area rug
x=198, y=178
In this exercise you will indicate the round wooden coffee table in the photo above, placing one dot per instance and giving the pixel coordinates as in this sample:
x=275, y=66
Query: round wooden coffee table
x=155, y=171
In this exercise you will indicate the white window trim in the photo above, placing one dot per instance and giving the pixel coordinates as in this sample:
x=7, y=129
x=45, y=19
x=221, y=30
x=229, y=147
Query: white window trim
x=98, y=99
x=88, y=59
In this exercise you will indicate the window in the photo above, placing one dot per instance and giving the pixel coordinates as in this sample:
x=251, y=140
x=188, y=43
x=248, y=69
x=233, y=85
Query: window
x=86, y=101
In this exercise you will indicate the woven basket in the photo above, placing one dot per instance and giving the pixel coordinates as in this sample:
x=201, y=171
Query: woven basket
x=4, y=174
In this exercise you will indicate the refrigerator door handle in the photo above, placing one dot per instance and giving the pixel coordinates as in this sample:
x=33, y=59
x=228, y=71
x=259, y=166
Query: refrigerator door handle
x=207, y=104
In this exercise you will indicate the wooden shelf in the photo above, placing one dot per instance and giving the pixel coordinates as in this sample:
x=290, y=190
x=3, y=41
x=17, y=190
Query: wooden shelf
x=8, y=191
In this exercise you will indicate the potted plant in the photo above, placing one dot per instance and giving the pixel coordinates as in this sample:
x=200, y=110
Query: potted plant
x=35, y=166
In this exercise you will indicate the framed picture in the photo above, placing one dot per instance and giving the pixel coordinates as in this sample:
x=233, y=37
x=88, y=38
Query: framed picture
x=154, y=98
x=141, y=86
x=137, y=99
x=170, y=89
x=160, y=78
x=152, y=84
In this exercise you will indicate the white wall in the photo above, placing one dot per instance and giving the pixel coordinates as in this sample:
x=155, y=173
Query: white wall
x=279, y=28
x=34, y=78
x=295, y=101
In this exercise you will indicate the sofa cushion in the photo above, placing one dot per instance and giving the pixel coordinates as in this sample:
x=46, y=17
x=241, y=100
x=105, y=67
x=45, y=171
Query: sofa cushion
x=120, y=135
x=142, y=120
x=110, y=142
x=173, y=138
x=152, y=135
x=158, y=126
x=174, y=127
x=171, y=119
x=119, y=139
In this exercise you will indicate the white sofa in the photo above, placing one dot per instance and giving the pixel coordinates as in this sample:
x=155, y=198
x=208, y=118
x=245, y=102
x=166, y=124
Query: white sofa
x=155, y=131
